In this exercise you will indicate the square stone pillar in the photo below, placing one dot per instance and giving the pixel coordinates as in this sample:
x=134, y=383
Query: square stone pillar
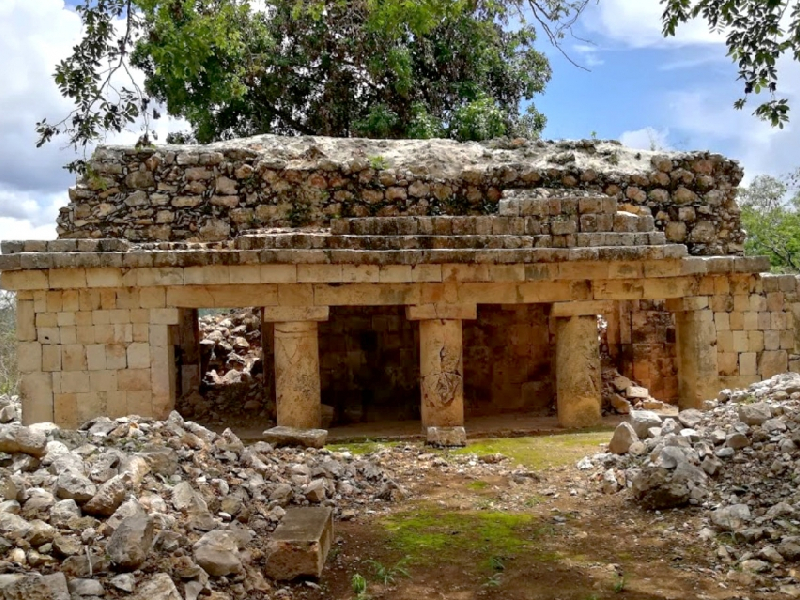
x=297, y=380
x=698, y=371
x=577, y=369
x=441, y=362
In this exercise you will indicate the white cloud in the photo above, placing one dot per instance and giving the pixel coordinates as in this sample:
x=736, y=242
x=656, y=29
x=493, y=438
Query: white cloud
x=637, y=24
x=647, y=138
x=25, y=217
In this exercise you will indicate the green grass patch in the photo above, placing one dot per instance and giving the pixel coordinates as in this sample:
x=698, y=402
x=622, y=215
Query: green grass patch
x=469, y=538
x=542, y=452
x=359, y=448
x=478, y=485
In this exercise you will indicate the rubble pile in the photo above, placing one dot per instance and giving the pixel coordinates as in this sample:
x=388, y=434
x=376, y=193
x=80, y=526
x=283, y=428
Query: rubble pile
x=233, y=383
x=158, y=510
x=736, y=461
x=621, y=394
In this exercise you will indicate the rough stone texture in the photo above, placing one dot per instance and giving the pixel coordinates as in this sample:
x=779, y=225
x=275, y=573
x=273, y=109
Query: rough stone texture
x=300, y=544
x=130, y=543
x=17, y=438
x=446, y=437
x=213, y=191
x=159, y=587
x=622, y=440
x=217, y=553
x=578, y=386
x=441, y=373
x=297, y=381
x=643, y=420
x=697, y=358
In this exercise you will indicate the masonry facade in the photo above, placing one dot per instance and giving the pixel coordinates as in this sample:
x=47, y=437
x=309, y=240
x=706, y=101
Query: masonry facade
x=105, y=313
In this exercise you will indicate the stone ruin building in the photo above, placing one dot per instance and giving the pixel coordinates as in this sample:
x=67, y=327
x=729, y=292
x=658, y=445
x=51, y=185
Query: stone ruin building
x=424, y=280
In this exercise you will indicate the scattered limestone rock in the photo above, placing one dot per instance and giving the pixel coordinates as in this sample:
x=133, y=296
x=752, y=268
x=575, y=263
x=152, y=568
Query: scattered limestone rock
x=131, y=542
x=642, y=420
x=217, y=552
x=624, y=437
x=755, y=414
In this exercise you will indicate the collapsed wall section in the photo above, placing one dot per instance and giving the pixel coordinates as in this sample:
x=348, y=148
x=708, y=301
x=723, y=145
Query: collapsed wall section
x=219, y=191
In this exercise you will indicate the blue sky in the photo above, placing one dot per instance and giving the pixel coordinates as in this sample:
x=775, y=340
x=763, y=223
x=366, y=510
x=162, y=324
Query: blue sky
x=641, y=89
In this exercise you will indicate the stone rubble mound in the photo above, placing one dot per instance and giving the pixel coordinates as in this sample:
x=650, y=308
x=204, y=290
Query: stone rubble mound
x=621, y=394
x=153, y=510
x=233, y=378
x=736, y=461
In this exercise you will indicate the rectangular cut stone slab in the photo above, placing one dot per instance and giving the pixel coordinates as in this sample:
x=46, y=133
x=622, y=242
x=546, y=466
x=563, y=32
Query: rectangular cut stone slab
x=446, y=437
x=290, y=436
x=300, y=544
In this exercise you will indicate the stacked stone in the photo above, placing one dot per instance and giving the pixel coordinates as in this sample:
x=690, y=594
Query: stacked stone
x=215, y=192
x=95, y=352
x=757, y=333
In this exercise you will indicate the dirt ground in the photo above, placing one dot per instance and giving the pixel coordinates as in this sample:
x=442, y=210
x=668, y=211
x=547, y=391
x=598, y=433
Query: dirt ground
x=542, y=531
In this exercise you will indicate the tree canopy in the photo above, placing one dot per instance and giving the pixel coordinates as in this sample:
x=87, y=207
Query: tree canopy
x=771, y=217
x=372, y=68
x=758, y=33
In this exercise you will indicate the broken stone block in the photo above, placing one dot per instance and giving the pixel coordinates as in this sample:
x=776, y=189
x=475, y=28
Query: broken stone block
x=130, y=544
x=624, y=437
x=620, y=404
x=290, y=436
x=300, y=544
x=621, y=383
x=446, y=437
x=635, y=391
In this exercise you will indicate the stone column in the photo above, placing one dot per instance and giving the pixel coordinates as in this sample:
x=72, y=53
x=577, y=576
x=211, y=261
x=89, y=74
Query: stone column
x=578, y=379
x=698, y=372
x=441, y=373
x=442, y=370
x=297, y=380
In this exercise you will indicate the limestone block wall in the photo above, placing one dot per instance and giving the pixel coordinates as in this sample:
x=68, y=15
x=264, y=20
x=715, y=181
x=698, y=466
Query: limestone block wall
x=756, y=322
x=219, y=191
x=89, y=352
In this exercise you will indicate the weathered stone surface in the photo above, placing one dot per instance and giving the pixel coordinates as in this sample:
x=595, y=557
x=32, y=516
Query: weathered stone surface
x=31, y=586
x=217, y=552
x=297, y=381
x=300, y=544
x=658, y=488
x=578, y=381
x=431, y=171
x=130, y=544
x=755, y=414
x=74, y=486
x=446, y=437
x=158, y=587
x=109, y=496
x=642, y=421
x=17, y=438
x=731, y=518
x=291, y=436
x=624, y=437
x=441, y=373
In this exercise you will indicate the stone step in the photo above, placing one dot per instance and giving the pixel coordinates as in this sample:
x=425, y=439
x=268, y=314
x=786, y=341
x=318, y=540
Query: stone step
x=617, y=222
x=300, y=544
x=300, y=241
x=527, y=204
